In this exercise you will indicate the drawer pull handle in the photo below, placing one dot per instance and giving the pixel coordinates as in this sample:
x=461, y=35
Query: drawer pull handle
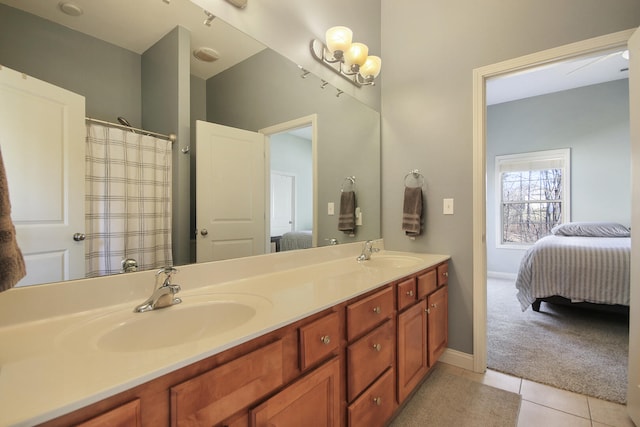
x=410, y=293
x=325, y=339
x=377, y=310
x=377, y=347
x=377, y=401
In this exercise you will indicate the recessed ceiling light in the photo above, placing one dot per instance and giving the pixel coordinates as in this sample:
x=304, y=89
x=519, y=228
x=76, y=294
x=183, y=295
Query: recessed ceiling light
x=206, y=54
x=70, y=9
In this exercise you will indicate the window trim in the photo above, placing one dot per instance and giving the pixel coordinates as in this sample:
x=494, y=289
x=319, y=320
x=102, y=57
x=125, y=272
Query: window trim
x=563, y=155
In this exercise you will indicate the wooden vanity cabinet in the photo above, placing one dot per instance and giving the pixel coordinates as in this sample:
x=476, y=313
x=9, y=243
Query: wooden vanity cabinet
x=422, y=329
x=350, y=365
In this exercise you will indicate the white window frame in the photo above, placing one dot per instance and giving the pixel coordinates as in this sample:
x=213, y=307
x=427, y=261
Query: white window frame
x=558, y=159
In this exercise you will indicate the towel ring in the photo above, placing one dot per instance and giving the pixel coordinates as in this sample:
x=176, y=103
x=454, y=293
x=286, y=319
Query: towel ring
x=415, y=175
x=349, y=184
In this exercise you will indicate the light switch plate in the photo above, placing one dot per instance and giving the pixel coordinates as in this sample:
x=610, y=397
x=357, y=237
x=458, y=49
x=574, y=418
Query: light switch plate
x=447, y=206
x=331, y=208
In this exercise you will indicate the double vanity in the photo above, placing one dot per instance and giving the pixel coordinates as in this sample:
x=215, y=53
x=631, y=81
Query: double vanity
x=310, y=337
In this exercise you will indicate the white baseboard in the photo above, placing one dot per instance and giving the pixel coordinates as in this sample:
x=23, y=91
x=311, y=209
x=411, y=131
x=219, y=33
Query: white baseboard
x=502, y=275
x=457, y=358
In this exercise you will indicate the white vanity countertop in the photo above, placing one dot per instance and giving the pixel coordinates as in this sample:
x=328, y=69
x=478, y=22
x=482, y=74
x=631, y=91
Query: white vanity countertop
x=50, y=364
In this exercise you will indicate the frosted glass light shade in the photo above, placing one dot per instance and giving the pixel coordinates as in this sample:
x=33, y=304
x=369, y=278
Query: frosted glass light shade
x=357, y=54
x=371, y=67
x=339, y=39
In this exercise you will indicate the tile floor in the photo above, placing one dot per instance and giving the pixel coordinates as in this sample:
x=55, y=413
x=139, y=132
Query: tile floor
x=547, y=406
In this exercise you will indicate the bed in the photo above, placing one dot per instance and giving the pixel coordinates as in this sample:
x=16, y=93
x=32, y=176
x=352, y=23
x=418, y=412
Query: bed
x=295, y=240
x=577, y=263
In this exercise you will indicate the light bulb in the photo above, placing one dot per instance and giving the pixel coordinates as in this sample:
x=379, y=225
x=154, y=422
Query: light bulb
x=371, y=67
x=338, y=39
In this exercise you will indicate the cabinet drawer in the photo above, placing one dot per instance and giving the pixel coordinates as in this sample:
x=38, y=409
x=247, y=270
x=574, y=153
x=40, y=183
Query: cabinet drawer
x=443, y=274
x=406, y=293
x=319, y=339
x=427, y=283
x=223, y=391
x=368, y=357
x=376, y=405
x=127, y=415
x=369, y=312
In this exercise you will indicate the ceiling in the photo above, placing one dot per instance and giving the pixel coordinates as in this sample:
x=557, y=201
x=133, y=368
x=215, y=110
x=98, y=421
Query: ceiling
x=136, y=25
x=558, y=76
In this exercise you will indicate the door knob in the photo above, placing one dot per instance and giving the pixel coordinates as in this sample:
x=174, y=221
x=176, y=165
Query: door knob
x=204, y=232
x=79, y=237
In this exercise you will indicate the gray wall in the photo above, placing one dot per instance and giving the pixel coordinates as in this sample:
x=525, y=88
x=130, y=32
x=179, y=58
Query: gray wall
x=348, y=131
x=429, y=51
x=166, y=109
x=594, y=123
x=292, y=154
x=106, y=75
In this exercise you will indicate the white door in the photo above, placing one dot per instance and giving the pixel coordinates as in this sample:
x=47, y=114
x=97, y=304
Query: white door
x=230, y=192
x=633, y=393
x=282, y=203
x=42, y=136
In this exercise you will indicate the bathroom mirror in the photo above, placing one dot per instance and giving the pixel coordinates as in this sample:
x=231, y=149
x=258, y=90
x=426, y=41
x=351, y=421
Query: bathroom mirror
x=263, y=90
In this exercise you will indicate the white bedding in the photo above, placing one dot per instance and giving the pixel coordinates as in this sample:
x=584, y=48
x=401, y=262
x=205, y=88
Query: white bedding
x=591, y=269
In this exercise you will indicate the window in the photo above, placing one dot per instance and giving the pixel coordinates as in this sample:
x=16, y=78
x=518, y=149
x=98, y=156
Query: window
x=532, y=192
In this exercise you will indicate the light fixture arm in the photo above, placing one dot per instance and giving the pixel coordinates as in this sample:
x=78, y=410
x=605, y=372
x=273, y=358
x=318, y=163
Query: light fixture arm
x=321, y=54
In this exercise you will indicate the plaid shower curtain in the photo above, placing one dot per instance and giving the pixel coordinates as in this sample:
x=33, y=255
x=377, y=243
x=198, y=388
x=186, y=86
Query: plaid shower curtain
x=127, y=200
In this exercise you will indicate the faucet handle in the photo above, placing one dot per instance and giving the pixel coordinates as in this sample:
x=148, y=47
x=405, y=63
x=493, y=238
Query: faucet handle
x=168, y=272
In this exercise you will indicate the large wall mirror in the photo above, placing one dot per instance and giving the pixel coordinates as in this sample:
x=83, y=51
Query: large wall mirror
x=109, y=55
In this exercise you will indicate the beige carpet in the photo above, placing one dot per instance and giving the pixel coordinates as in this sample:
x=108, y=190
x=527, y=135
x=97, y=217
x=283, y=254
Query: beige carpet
x=570, y=348
x=445, y=400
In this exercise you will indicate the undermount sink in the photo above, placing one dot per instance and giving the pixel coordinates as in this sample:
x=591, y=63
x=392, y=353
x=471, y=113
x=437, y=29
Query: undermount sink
x=391, y=261
x=194, y=319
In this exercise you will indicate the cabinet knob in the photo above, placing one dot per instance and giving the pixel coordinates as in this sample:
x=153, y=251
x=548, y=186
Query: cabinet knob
x=325, y=339
x=434, y=305
x=427, y=310
x=377, y=347
x=377, y=401
x=410, y=293
x=445, y=273
x=377, y=310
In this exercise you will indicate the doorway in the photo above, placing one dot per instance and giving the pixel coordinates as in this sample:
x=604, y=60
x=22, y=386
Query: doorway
x=480, y=77
x=292, y=182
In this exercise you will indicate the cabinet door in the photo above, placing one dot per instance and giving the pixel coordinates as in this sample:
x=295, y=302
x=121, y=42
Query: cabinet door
x=313, y=401
x=215, y=395
x=127, y=415
x=412, y=348
x=437, y=323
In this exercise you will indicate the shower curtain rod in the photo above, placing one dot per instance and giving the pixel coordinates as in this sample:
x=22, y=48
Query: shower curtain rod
x=171, y=137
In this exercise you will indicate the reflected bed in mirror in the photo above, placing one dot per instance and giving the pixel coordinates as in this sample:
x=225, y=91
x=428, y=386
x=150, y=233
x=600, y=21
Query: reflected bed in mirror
x=114, y=79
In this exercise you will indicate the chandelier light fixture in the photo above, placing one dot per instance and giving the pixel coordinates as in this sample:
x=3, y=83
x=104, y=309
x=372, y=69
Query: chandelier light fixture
x=351, y=60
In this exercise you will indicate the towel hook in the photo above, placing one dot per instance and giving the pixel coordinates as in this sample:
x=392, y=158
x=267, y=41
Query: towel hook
x=350, y=183
x=417, y=176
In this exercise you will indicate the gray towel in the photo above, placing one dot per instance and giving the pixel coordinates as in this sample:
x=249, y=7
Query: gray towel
x=412, y=211
x=12, y=267
x=347, y=217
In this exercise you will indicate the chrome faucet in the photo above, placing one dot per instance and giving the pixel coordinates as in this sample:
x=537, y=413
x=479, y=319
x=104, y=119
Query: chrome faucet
x=367, y=250
x=162, y=296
